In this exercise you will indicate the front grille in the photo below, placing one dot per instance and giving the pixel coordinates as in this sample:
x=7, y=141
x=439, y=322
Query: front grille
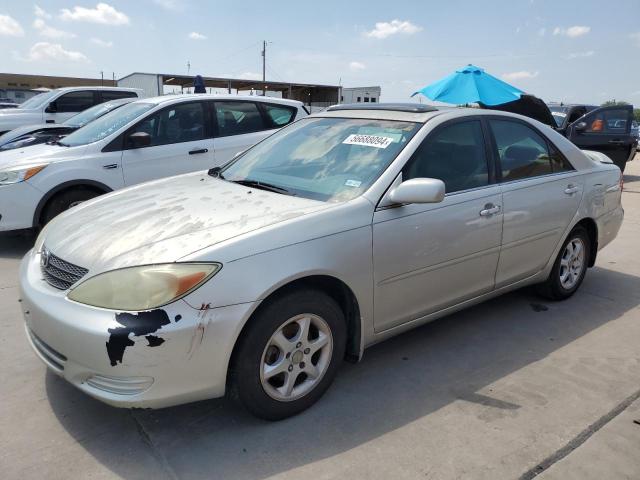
x=59, y=273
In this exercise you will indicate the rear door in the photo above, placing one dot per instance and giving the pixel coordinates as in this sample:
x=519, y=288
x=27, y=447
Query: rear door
x=541, y=193
x=241, y=124
x=180, y=143
x=606, y=130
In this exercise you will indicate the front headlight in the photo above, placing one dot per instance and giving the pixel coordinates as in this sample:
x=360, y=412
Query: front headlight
x=19, y=174
x=143, y=288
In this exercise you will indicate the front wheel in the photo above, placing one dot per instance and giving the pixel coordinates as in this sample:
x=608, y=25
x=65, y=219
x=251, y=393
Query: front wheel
x=569, y=268
x=289, y=354
x=63, y=201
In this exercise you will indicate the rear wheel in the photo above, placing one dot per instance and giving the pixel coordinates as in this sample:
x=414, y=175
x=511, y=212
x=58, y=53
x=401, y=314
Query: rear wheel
x=289, y=354
x=63, y=201
x=570, y=266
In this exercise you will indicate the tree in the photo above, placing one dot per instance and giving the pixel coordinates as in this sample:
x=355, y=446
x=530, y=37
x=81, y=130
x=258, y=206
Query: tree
x=636, y=114
x=614, y=102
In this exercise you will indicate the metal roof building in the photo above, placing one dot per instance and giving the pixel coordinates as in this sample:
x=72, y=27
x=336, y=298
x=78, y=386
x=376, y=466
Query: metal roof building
x=314, y=95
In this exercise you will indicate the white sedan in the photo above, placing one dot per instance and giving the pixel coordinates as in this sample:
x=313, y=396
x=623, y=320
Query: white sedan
x=339, y=231
x=144, y=140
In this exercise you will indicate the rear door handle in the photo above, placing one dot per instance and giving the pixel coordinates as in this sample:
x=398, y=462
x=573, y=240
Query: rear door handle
x=571, y=189
x=50, y=121
x=616, y=142
x=201, y=150
x=489, y=210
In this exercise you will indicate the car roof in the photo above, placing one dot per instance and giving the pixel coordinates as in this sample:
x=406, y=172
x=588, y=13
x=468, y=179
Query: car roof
x=88, y=87
x=227, y=97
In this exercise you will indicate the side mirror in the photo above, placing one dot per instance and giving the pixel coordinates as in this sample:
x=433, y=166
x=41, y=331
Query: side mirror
x=52, y=107
x=418, y=190
x=580, y=126
x=139, y=140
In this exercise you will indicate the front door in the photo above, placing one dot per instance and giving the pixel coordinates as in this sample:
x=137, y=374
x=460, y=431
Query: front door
x=431, y=256
x=606, y=130
x=541, y=193
x=70, y=104
x=180, y=143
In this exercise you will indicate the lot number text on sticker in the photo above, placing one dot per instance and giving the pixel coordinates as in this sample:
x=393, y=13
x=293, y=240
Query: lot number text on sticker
x=368, y=140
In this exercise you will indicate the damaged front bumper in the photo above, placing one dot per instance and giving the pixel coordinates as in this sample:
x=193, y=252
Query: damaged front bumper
x=168, y=356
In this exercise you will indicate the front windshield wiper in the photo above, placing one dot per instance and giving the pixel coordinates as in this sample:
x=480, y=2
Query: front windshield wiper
x=263, y=186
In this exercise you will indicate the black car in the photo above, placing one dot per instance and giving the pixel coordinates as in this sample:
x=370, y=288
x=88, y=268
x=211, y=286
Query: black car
x=603, y=129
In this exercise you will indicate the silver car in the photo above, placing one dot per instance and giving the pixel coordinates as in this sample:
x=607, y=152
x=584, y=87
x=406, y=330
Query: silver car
x=341, y=230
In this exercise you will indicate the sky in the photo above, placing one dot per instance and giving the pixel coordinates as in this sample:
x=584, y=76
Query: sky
x=560, y=50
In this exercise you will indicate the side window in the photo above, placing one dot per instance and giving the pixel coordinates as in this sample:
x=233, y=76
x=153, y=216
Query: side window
x=175, y=124
x=74, y=101
x=279, y=115
x=108, y=95
x=524, y=153
x=612, y=121
x=454, y=154
x=237, y=118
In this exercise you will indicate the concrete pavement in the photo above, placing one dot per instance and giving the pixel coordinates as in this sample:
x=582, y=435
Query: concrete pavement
x=507, y=389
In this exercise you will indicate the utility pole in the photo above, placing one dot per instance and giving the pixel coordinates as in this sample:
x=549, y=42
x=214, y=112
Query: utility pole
x=102, y=78
x=264, y=65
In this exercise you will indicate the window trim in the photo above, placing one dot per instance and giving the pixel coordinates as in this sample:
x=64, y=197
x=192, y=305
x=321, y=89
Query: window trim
x=102, y=100
x=494, y=146
x=492, y=181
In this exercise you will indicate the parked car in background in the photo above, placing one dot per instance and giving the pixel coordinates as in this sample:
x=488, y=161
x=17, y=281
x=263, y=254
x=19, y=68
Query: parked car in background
x=602, y=129
x=335, y=233
x=56, y=106
x=35, y=134
x=6, y=103
x=141, y=141
x=635, y=131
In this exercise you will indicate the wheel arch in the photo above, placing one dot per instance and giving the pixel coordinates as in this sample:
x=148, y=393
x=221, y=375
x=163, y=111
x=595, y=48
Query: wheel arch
x=592, y=230
x=63, y=187
x=336, y=289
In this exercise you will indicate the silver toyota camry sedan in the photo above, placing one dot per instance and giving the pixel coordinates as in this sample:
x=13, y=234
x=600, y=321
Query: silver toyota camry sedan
x=343, y=229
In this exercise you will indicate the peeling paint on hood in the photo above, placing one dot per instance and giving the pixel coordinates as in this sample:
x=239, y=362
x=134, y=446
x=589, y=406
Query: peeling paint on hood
x=165, y=220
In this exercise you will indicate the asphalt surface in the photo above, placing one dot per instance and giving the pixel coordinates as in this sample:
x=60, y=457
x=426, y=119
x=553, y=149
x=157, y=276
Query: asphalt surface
x=514, y=388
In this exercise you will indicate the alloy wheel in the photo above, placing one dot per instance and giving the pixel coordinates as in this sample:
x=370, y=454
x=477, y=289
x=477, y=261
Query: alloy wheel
x=572, y=263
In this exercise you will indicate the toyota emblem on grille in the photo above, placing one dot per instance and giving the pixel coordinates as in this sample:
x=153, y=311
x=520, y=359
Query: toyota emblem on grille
x=44, y=258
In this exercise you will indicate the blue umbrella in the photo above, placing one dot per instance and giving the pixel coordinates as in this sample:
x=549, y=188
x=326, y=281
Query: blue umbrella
x=471, y=85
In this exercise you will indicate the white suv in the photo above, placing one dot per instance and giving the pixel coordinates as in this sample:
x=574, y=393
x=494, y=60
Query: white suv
x=141, y=141
x=60, y=104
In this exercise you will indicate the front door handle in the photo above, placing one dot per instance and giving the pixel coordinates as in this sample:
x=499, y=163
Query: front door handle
x=111, y=166
x=50, y=121
x=201, y=150
x=616, y=142
x=489, y=210
x=571, y=189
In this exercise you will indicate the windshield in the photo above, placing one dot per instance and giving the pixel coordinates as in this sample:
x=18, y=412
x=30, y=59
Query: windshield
x=107, y=124
x=327, y=159
x=92, y=113
x=39, y=100
x=559, y=114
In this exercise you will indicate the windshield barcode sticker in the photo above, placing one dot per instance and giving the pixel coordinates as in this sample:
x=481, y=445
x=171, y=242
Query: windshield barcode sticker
x=368, y=140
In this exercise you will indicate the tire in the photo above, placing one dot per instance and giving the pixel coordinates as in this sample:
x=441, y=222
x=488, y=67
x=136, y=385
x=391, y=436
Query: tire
x=564, y=280
x=261, y=353
x=63, y=201
x=621, y=165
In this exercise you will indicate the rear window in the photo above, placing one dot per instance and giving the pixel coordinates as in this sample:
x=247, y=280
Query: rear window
x=279, y=115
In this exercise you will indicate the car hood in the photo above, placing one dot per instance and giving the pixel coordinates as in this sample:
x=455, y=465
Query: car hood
x=165, y=220
x=42, y=153
x=14, y=117
x=17, y=132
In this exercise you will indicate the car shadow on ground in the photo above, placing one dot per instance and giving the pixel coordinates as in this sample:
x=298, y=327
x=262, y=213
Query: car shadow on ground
x=16, y=244
x=399, y=381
